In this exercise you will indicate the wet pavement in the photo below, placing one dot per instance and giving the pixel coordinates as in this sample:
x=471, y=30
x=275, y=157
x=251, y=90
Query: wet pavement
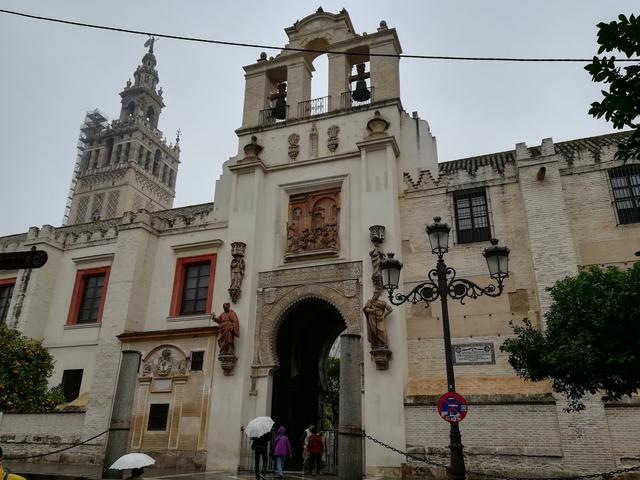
x=220, y=475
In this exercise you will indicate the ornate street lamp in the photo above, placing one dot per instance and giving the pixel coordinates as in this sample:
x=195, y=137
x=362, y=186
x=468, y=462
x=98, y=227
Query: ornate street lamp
x=442, y=283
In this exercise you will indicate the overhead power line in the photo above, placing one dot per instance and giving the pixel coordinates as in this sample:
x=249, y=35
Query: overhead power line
x=310, y=50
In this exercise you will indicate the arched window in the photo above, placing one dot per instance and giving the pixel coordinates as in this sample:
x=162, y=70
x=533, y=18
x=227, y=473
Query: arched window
x=131, y=109
x=151, y=116
x=107, y=158
x=156, y=163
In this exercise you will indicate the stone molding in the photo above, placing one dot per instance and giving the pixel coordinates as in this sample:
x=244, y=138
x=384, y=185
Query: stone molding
x=280, y=291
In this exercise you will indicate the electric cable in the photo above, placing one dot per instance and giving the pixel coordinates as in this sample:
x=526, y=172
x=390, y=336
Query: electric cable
x=306, y=50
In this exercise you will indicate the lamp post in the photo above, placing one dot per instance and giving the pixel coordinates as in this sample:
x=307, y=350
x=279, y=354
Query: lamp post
x=443, y=283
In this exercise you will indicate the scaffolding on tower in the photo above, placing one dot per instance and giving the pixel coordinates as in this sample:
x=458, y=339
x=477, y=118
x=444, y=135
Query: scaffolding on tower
x=94, y=122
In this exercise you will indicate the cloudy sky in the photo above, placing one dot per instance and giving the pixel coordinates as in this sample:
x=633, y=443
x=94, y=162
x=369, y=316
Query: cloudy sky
x=52, y=74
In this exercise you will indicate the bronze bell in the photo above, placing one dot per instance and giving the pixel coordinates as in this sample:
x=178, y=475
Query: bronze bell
x=361, y=93
x=280, y=110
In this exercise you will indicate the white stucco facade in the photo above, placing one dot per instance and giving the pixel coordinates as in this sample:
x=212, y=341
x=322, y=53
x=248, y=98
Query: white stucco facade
x=381, y=167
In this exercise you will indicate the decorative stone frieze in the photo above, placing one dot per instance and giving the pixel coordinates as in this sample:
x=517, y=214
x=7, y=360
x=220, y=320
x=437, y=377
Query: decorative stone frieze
x=294, y=147
x=332, y=138
x=279, y=291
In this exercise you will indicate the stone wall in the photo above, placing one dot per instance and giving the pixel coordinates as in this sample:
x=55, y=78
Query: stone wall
x=23, y=435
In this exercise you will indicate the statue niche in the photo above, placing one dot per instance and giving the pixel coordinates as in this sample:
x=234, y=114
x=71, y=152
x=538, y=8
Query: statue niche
x=313, y=222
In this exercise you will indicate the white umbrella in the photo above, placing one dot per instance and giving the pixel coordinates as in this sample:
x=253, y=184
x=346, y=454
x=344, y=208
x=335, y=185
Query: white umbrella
x=132, y=460
x=258, y=427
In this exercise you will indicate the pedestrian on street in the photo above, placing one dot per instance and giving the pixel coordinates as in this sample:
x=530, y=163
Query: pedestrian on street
x=281, y=450
x=315, y=446
x=260, y=447
x=5, y=473
x=136, y=474
x=305, y=452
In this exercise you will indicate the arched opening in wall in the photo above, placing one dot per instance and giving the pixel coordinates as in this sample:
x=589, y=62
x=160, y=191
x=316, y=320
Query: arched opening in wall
x=319, y=100
x=359, y=88
x=107, y=158
x=131, y=109
x=151, y=116
x=156, y=162
x=306, y=384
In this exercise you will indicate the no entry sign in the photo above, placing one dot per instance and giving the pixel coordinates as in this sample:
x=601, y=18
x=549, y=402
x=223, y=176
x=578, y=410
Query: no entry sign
x=452, y=407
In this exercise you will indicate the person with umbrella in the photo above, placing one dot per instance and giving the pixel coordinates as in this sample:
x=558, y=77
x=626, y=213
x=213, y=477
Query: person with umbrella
x=259, y=431
x=260, y=446
x=134, y=461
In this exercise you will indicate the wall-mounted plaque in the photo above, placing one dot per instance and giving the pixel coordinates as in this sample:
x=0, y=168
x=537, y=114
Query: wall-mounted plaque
x=473, y=354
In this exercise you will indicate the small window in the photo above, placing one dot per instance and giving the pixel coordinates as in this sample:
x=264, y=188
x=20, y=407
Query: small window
x=158, y=415
x=193, y=285
x=197, y=360
x=71, y=381
x=88, y=296
x=625, y=186
x=472, y=216
x=6, y=293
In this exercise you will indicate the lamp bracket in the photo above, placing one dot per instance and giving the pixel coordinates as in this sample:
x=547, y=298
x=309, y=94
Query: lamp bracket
x=456, y=288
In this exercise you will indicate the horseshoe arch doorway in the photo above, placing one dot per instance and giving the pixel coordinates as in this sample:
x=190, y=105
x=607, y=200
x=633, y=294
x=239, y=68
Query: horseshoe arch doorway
x=305, y=388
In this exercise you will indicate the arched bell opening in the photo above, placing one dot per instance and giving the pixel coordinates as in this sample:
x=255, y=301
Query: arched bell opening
x=304, y=389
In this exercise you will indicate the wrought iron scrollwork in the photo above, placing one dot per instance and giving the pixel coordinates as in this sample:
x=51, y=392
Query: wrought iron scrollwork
x=456, y=288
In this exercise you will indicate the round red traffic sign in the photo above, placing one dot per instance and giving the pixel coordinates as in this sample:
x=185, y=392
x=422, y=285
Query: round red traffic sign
x=452, y=407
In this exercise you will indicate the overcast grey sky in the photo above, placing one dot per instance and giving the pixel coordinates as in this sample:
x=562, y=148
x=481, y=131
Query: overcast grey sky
x=52, y=74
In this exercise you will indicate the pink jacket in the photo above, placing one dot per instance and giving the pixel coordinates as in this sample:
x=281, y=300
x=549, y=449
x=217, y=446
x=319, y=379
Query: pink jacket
x=281, y=445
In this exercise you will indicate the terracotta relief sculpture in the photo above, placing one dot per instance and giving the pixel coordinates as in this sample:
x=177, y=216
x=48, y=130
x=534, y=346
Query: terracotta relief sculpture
x=376, y=234
x=237, y=270
x=376, y=310
x=313, y=221
x=229, y=330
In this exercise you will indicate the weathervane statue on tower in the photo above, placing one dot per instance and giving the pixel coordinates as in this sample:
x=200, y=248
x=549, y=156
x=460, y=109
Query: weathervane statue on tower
x=149, y=43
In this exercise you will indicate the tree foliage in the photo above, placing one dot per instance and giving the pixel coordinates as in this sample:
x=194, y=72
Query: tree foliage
x=592, y=339
x=332, y=395
x=621, y=104
x=25, y=366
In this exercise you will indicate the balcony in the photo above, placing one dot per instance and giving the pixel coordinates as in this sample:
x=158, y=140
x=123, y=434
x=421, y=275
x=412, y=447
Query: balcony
x=313, y=107
x=266, y=118
x=347, y=101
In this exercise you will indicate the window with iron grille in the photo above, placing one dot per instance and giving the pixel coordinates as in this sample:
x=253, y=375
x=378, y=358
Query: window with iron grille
x=71, y=381
x=197, y=361
x=6, y=292
x=625, y=186
x=158, y=415
x=472, y=216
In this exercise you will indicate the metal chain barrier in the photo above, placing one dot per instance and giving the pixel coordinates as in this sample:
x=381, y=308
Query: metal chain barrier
x=498, y=476
x=65, y=448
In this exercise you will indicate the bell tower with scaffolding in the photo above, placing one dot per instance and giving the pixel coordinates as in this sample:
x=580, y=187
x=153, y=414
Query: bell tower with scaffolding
x=126, y=164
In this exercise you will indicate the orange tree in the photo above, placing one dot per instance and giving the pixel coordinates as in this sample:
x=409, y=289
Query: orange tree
x=590, y=343
x=621, y=103
x=25, y=366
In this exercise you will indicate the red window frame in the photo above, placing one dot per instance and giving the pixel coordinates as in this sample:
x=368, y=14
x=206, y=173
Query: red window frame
x=78, y=288
x=178, y=282
x=9, y=281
